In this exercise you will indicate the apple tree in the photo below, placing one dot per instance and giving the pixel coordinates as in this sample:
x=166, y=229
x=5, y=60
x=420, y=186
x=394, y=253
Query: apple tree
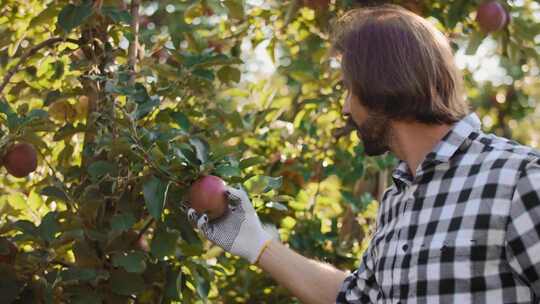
x=111, y=109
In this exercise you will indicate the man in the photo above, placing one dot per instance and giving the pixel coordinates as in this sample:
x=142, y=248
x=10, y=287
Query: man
x=461, y=222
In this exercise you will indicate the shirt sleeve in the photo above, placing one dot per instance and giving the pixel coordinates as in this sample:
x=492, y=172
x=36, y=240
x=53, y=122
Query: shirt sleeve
x=360, y=286
x=523, y=230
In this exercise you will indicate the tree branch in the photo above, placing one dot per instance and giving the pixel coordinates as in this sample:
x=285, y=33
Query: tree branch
x=149, y=223
x=29, y=53
x=132, y=52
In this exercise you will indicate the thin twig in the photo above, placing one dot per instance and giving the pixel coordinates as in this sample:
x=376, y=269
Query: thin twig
x=71, y=202
x=149, y=223
x=132, y=52
x=14, y=69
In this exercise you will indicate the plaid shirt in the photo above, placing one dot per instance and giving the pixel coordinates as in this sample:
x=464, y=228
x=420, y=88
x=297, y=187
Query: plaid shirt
x=466, y=229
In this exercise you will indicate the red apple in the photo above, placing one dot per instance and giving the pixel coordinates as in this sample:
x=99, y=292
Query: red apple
x=8, y=251
x=207, y=195
x=492, y=16
x=20, y=159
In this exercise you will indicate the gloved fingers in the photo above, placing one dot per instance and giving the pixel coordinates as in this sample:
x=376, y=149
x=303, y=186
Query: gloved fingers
x=239, y=197
x=232, y=208
x=192, y=216
x=199, y=221
x=233, y=196
x=202, y=222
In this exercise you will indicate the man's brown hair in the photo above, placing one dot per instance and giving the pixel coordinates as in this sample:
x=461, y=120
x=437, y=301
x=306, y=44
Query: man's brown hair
x=399, y=65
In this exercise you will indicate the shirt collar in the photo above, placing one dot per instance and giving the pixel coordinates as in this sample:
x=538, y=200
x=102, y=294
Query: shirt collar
x=458, y=136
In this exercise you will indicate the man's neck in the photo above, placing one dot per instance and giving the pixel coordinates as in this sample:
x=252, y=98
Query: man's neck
x=411, y=142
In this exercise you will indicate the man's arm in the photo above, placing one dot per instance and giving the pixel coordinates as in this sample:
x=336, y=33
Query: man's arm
x=308, y=280
x=522, y=233
x=240, y=232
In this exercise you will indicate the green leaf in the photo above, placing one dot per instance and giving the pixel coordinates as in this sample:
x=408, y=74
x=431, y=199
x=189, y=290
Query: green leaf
x=67, y=131
x=277, y=206
x=193, y=11
x=164, y=243
x=78, y=274
x=51, y=97
x=125, y=283
x=236, y=8
x=49, y=227
x=178, y=281
x=145, y=108
x=139, y=93
x=181, y=223
x=475, y=40
x=180, y=155
x=154, y=196
x=13, y=120
x=122, y=222
x=202, y=283
x=54, y=192
x=229, y=74
x=46, y=16
x=71, y=16
x=116, y=14
x=455, y=13
x=100, y=168
x=204, y=74
x=210, y=60
x=187, y=152
x=134, y=261
x=25, y=227
x=173, y=285
x=201, y=148
x=358, y=204
x=6, y=108
x=182, y=120
x=251, y=161
x=273, y=183
x=262, y=183
x=349, y=198
x=227, y=170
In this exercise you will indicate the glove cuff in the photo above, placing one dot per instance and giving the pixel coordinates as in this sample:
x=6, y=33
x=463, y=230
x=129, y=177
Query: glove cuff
x=265, y=245
x=258, y=246
x=250, y=246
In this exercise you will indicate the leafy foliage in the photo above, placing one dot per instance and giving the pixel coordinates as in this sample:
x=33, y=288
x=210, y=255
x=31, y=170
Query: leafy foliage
x=100, y=220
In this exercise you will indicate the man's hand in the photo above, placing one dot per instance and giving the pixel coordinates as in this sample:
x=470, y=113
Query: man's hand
x=239, y=231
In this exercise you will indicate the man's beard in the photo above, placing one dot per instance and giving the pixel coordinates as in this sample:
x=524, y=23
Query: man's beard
x=375, y=133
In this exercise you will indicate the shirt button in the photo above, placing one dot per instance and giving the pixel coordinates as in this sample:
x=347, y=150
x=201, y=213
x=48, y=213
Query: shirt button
x=405, y=247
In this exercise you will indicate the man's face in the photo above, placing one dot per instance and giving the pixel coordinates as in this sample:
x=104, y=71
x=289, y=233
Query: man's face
x=373, y=129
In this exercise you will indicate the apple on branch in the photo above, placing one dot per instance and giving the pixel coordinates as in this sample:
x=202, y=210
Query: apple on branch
x=207, y=195
x=492, y=16
x=20, y=159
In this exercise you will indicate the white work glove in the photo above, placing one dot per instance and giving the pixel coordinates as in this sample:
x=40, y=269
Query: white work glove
x=239, y=231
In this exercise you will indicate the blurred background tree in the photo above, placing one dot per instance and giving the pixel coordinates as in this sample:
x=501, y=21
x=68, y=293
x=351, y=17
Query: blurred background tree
x=125, y=103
